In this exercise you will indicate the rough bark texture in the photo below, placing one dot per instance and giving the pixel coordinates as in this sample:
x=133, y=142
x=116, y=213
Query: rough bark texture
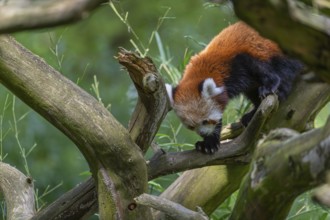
x=85, y=121
x=152, y=105
x=281, y=171
x=146, y=77
x=78, y=203
x=276, y=20
x=25, y=15
x=18, y=192
x=184, y=189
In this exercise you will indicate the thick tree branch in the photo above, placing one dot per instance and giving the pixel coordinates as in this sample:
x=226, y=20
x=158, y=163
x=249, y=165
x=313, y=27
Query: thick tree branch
x=104, y=142
x=18, y=192
x=78, y=203
x=281, y=171
x=152, y=105
x=276, y=20
x=174, y=210
x=229, y=152
x=44, y=14
x=149, y=108
x=293, y=113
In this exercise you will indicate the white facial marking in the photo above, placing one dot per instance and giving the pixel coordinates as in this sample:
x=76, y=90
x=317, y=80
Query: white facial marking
x=205, y=129
x=215, y=115
x=169, y=90
x=210, y=89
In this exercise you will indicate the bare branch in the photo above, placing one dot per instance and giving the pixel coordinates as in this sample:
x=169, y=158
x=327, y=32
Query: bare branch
x=44, y=14
x=174, y=210
x=18, y=191
x=281, y=171
x=152, y=105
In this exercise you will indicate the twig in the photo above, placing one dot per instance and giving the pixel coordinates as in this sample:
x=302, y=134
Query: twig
x=172, y=209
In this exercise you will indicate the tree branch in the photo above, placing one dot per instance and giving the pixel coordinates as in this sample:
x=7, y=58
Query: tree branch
x=174, y=210
x=78, y=203
x=274, y=20
x=228, y=152
x=152, y=105
x=222, y=181
x=151, y=108
x=104, y=142
x=15, y=18
x=18, y=191
x=281, y=171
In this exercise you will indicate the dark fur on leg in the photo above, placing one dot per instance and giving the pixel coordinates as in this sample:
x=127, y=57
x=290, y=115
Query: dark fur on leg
x=211, y=143
x=257, y=79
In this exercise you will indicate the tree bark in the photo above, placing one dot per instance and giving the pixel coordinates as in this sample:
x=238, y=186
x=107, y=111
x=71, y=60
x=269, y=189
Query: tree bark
x=152, y=107
x=277, y=21
x=36, y=14
x=78, y=203
x=116, y=162
x=293, y=113
x=18, y=191
x=280, y=171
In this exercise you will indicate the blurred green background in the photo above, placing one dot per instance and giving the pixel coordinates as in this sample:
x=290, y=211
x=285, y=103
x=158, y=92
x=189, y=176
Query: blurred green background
x=168, y=31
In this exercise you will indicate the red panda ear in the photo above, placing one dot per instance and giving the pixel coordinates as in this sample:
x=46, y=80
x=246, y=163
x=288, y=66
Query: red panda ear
x=210, y=89
x=170, y=91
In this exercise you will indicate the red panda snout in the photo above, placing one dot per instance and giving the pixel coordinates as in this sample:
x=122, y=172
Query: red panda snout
x=200, y=114
x=205, y=130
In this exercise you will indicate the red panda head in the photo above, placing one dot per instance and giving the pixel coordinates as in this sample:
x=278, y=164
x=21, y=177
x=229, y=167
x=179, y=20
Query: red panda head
x=200, y=111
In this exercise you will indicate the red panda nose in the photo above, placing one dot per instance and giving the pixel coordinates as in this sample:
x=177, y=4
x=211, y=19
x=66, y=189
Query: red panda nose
x=203, y=132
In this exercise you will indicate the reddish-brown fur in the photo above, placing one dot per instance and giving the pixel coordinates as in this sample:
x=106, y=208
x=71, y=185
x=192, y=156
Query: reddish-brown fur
x=214, y=60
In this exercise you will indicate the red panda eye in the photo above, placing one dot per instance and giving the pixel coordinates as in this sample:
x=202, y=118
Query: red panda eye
x=213, y=122
x=205, y=122
x=191, y=127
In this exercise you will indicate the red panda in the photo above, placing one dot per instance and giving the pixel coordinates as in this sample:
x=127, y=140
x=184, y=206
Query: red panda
x=238, y=60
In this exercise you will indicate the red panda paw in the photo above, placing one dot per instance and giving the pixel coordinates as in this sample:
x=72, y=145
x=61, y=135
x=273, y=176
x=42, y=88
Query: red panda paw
x=208, y=145
x=265, y=91
x=271, y=87
x=247, y=117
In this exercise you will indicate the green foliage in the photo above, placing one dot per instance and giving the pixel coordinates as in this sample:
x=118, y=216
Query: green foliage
x=305, y=209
